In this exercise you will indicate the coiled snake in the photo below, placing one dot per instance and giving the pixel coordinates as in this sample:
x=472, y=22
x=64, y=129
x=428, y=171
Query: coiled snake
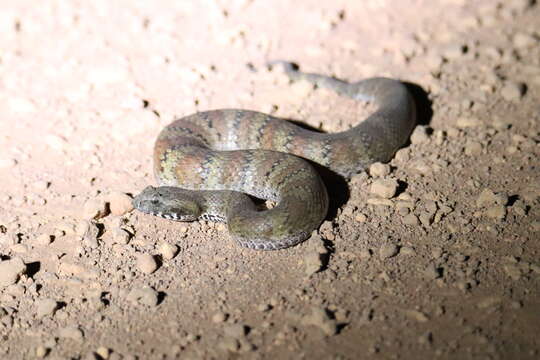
x=207, y=162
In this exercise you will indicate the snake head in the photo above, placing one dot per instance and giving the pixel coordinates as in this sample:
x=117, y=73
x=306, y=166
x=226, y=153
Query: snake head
x=168, y=202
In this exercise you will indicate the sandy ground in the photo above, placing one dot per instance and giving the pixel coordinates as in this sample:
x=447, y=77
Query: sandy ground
x=447, y=267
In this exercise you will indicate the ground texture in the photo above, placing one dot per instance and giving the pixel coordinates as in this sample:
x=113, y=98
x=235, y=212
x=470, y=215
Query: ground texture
x=433, y=256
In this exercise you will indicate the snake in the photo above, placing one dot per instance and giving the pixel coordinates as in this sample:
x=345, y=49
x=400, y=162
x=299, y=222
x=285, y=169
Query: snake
x=220, y=165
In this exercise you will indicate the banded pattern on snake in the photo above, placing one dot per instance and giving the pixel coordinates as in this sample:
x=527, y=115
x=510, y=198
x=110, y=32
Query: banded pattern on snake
x=208, y=163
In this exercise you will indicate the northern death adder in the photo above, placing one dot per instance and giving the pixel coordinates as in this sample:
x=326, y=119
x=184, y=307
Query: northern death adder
x=208, y=163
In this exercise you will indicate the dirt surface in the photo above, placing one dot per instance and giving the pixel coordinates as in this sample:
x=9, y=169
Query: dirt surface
x=433, y=256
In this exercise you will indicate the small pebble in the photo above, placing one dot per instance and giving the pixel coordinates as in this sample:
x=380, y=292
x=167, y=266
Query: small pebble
x=7, y=163
x=426, y=338
x=487, y=197
x=513, y=91
x=410, y=219
x=46, y=307
x=103, y=352
x=381, y=202
x=522, y=40
x=10, y=271
x=119, y=203
x=236, y=331
x=120, y=236
x=264, y=307
x=467, y=122
x=489, y=301
x=432, y=272
x=426, y=218
x=402, y=155
x=56, y=142
x=319, y=318
x=361, y=218
x=436, y=252
x=496, y=212
x=434, y=62
x=91, y=235
x=168, y=251
x=144, y=296
x=419, y=135
x=41, y=185
x=417, y=315
x=379, y=169
x=473, y=148
x=454, y=51
x=146, y=263
x=387, y=251
x=94, y=209
x=41, y=351
x=81, y=227
x=19, y=248
x=71, y=332
x=407, y=250
x=229, y=344
x=364, y=254
x=313, y=263
x=43, y=239
x=384, y=188
x=219, y=317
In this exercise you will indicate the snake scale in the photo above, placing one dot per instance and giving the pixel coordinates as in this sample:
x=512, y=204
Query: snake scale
x=209, y=164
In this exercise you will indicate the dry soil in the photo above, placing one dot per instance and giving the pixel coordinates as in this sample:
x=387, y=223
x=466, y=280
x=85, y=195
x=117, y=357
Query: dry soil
x=434, y=255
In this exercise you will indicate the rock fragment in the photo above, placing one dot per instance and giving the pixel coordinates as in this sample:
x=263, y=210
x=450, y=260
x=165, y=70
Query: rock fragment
x=488, y=197
x=45, y=307
x=513, y=91
x=43, y=239
x=120, y=236
x=91, y=235
x=522, y=40
x=103, y=352
x=494, y=203
x=496, y=212
x=168, y=251
x=236, y=331
x=95, y=208
x=473, y=148
x=410, y=219
x=419, y=135
x=219, y=317
x=467, y=122
x=10, y=271
x=71, y=332
x=379, y=169
x=146, y=263
x=417, y=315
x=432, y=272
x=387, y=251
x=386, y=188
x=314, y=259
x=454, y=51
x=119, y=203
x=320, y=318
x=313, y=263
x=144, y=296
x=41, y=351
x=7, y=163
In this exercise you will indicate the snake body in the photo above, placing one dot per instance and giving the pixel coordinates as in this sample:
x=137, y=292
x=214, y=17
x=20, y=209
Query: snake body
x=207, y=162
